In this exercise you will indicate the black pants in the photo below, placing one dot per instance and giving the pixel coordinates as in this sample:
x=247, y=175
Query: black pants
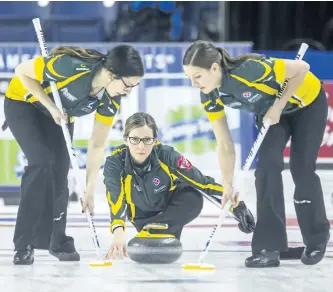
x=185, y=204
x=306, y=128
x=41, y=218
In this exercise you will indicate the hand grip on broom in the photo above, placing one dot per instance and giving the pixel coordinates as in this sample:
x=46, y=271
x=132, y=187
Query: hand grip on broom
x=248, y=162
x=71, y=152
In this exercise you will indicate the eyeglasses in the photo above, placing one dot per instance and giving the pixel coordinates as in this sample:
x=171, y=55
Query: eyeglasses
x=127, y=86
x=137, y=141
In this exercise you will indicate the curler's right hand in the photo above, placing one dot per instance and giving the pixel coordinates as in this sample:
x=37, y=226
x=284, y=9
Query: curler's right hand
x=228, y=195
x=118, y=248
x=57, y=115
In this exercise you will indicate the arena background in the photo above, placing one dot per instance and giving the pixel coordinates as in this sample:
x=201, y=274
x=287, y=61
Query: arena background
x=162, y=31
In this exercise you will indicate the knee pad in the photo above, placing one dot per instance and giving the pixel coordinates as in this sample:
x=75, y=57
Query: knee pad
x=154, y=248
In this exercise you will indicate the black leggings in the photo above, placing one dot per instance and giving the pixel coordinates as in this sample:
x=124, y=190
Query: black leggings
x=41, y=218
x=306, y=128
x=185, y=205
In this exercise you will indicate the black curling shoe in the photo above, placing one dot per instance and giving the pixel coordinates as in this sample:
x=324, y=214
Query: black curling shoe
x=24, y=256
x=263, y=259
x=65, y=252
x=313, y=255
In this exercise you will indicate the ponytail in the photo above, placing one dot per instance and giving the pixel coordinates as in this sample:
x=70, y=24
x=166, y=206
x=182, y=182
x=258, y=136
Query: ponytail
x=227, y=62
x=77, y=52
x=203, y=54
x=122, y=60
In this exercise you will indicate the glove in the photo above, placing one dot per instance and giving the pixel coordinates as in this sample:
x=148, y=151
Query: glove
x=244, y=216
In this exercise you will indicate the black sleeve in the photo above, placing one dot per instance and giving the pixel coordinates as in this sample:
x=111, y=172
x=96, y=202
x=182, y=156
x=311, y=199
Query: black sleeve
x=114, y=183
x=187, y=172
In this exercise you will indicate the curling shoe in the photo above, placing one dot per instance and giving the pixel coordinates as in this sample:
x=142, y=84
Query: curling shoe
x=66, y=251
x=24, y=256
x=263, y=259
x=313, y=255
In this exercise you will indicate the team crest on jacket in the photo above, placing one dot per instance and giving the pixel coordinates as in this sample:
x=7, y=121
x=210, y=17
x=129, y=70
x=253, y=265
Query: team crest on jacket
x=156, y=181
x=183, y=163
x=247, y=94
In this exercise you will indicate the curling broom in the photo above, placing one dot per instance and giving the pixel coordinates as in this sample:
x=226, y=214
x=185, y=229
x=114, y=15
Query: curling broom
x=57, y=100
x=248, y=162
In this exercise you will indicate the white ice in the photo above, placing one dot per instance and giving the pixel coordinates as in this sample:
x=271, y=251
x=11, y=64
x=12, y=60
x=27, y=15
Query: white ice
x=229, y=250
x=227, y=254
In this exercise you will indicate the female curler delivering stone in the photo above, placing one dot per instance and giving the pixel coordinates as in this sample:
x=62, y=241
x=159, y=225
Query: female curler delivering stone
x=159, y=191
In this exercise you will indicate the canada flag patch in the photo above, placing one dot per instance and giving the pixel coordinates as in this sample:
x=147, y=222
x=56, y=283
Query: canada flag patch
x=247, y=94
x=183, y=163
x=156, y=181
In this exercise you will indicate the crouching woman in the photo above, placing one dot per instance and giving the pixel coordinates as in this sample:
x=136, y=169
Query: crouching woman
x=148, y=182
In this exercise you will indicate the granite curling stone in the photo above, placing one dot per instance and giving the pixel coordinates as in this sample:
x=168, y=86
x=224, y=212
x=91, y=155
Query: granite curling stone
x=153, y=248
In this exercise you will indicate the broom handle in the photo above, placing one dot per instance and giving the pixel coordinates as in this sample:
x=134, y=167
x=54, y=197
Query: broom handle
x=209, y=241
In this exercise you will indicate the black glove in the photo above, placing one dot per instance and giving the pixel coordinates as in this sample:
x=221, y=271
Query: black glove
x=244, y=216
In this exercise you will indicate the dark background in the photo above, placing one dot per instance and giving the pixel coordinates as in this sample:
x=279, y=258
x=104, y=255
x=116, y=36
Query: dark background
x=275, y=25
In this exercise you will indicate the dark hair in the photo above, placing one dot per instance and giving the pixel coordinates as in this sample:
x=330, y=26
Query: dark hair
x=137, y=120
x=122, y=60
x=203, y=54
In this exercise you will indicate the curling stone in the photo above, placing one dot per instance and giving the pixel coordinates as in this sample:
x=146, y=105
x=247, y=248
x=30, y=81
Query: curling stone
x=154, y=248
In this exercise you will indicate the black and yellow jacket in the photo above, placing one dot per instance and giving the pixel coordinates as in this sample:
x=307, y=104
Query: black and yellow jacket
x=73, y=78
x=254, y=86
x=132, y=196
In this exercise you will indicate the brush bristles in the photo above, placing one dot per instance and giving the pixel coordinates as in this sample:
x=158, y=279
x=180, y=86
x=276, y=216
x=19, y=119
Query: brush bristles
x=202, y=267
x=100, y=264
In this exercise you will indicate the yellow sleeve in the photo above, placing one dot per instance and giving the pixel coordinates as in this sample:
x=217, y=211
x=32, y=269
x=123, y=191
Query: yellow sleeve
x=39, y=68
x=214, y=108
x=279, y=69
